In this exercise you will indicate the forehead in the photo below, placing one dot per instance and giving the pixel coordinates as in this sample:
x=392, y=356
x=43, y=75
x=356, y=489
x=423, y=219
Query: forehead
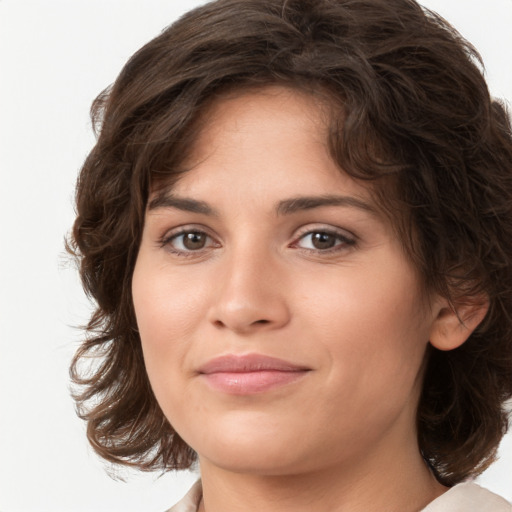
x=273, y=141
x=268, y=114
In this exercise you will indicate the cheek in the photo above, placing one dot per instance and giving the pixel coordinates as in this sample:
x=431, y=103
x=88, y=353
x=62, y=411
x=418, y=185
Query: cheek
x=375, y=339
x=167, y=305
x=372, y=322
x=167, y=316
x=167, y=310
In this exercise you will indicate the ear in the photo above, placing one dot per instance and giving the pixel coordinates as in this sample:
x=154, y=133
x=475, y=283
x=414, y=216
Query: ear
x=454, y=323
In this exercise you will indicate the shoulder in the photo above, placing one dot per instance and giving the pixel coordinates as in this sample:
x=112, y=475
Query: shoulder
x=469, y=497
x=189, y=502
x=465, y=497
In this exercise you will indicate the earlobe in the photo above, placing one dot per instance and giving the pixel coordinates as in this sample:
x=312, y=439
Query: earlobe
x=452, y=327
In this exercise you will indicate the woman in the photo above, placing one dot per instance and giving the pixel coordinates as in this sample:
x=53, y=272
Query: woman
x=297, y=226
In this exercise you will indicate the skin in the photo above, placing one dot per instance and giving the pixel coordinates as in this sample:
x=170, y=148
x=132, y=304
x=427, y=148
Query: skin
x=342, y=436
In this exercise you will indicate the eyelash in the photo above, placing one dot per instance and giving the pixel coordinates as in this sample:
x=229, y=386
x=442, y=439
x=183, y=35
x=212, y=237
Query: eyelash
x=346, y=241
x=166, y=242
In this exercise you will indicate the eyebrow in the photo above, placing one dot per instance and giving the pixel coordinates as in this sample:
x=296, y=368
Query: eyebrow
x=295, y=204
x=182, y=203
x=284, y=207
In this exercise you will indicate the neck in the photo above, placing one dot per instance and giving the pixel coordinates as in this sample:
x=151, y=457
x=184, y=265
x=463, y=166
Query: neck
x=399, y=480
x=308, y=492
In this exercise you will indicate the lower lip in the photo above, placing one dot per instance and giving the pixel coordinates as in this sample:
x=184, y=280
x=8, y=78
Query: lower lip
x=248, y=383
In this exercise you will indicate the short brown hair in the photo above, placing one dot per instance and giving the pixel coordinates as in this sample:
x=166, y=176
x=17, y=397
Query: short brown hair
x=414, y=107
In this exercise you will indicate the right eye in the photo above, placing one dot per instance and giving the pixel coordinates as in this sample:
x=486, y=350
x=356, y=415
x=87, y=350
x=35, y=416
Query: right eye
x=187, y=242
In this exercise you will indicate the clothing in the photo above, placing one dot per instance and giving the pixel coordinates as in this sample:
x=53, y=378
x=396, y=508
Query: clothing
x=468, y=497
x=190, y=501
x=465, y=497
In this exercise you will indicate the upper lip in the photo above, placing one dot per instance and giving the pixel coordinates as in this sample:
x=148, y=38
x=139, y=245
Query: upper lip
x=232, y=363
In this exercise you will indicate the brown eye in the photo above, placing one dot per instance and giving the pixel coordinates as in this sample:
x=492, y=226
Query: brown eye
x=323, y=240
x=194, y=240
x=188, y=243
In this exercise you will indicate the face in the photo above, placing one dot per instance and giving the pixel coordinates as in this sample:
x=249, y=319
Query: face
x=283, y=327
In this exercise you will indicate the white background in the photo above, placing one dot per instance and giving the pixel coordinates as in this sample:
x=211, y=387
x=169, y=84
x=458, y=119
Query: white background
x=55, y=56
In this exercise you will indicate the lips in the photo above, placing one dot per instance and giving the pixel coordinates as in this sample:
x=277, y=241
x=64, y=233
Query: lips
x=250, y=374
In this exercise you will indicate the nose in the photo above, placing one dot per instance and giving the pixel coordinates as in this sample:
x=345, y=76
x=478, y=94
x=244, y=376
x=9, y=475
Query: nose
x=251, y=294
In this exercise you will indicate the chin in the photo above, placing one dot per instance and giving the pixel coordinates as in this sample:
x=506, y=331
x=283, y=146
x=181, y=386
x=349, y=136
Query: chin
x=250, y=448
x=260, y=460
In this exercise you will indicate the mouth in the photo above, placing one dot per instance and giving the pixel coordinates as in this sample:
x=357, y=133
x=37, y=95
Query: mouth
x=250, y=374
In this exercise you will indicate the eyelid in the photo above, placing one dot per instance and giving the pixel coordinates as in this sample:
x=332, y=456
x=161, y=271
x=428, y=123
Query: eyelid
x=348, y=239
x=316, y=227
x=165, y=240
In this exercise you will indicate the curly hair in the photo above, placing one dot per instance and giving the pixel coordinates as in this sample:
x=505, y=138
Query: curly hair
x=412, y=106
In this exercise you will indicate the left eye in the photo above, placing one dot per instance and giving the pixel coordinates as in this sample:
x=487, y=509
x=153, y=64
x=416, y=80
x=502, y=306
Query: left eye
x=323, y=240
